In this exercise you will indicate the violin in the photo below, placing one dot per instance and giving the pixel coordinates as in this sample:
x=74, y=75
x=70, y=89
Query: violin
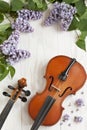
x=64, y=76
x=13, y=97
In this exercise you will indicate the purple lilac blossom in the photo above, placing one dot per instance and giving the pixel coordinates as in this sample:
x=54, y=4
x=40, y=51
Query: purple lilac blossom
x=14, y=36
x=29, y=14
x=17, y=56
x=52, y=18
x=22, y=22
x=61, y=12
x=9, y=49
x=22, y=25
x=10, y=45
x=78, y=119
x=79, y=102
x=66, y=117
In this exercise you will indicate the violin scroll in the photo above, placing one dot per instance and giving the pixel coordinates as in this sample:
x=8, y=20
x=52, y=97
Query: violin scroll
x=17, y=91
x=22, y=83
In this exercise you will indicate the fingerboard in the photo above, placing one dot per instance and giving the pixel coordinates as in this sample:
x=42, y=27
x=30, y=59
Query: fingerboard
x=5, y=112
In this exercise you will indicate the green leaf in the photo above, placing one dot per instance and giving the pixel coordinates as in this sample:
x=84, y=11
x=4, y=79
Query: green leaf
x=84, y=16
x=16, y=5
x=31, y=5
x=37, y=5
x=74, y=24
x=83, y=35
x=81, y=7
x=2, y=59
x=2, y=76
x=8, y=32
x=12, y=71
x=81, y=40
x=5, y=32
x=69, y=1
x=2, y=68
x=4, y=7
x=4, y=27
x=2, y=38
x=82, y=25
x=51, y=1
x=3, y=71
x=1, y=18
x=59, y=0
x=81, y=43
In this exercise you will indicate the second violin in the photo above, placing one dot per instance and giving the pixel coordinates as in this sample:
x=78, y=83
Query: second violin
x=13, y=97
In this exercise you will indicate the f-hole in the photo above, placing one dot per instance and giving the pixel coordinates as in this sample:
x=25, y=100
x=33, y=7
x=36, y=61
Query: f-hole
x=52, y=78
x=68, y=88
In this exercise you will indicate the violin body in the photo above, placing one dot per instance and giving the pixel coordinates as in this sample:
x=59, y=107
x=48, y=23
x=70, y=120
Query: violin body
x=57, y=87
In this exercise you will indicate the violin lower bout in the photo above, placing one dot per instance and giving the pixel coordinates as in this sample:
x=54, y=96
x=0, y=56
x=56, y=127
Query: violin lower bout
x=53, y=114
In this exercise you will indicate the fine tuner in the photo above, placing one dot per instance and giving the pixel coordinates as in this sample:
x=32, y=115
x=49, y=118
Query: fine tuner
x=13, y=97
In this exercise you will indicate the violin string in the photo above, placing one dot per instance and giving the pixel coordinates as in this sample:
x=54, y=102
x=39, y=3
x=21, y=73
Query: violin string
x=58, y=84
x=63, y=83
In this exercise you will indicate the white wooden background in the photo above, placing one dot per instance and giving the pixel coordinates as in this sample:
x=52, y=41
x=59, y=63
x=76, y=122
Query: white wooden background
x=44, y=43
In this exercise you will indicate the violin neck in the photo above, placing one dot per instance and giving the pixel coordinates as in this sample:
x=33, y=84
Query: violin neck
x=5, y=112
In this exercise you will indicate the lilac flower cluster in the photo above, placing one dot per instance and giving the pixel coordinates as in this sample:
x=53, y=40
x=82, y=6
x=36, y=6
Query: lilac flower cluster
x=79, y=102
x=29, y=14
x=61, y=12
x=9, y=49
x=22, y=22
x=78, y=119
x=66, y=117
x=17, y=55
x=10, y=45
x=22, y=25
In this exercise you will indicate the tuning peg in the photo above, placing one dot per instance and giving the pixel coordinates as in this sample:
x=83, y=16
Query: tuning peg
x=23, y=99
x=6, y=94
x=11, y=87
x=27, y=92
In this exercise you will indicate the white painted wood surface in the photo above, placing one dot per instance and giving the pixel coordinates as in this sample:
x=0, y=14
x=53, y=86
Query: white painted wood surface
x=44, y=43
